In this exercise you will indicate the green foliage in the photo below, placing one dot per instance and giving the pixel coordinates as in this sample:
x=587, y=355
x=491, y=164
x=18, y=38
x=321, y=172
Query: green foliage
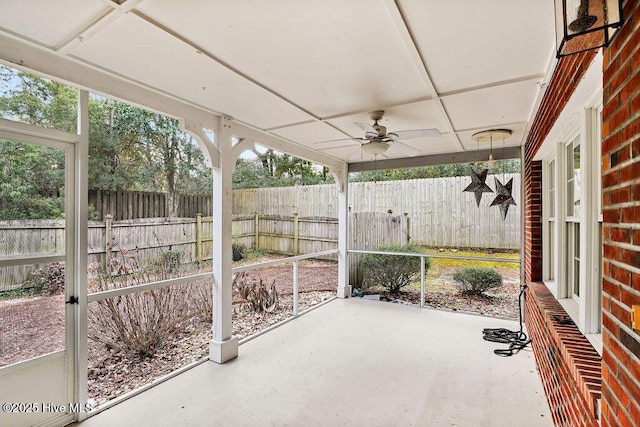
x=31, y=181
x=477, y=280
x=274, y=169
x=440, y=171
x=48, y=279
x=393, y=272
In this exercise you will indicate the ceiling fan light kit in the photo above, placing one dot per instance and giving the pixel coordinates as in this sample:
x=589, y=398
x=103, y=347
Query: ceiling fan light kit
x=375, y=147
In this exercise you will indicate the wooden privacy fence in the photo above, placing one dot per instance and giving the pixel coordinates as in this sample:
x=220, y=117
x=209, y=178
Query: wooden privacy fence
x=143, y=240
x=369, y=231
x=123, y=205
x=439, y=212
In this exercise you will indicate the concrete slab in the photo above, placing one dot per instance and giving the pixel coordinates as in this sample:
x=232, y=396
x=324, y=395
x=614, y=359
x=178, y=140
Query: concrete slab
x=353, y=363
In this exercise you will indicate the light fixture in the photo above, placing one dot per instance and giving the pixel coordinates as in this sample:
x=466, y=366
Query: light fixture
x=491, y=163
x=375, y=147
x=489, y=135
x=584, y=25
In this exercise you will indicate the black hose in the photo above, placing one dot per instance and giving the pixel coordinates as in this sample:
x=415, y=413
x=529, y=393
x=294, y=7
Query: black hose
x=517, y=340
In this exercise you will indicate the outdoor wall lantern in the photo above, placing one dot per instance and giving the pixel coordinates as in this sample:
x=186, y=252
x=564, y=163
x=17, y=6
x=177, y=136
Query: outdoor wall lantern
x=584, y=25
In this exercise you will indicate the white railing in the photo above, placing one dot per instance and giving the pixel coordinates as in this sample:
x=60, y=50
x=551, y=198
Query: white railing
x=294, y=260
x=422, y=262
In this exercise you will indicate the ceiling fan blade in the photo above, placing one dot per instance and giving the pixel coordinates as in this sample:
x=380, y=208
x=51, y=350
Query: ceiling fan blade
x=417, y=133
x=360, y=140
x=366, y=127
x=405, y=149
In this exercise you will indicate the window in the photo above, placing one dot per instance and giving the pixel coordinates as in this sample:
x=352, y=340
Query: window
x=550, y=215
x=572, y=218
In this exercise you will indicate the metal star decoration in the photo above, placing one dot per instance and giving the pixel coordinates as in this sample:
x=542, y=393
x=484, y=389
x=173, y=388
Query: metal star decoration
x=478, y=185
x=504, y=199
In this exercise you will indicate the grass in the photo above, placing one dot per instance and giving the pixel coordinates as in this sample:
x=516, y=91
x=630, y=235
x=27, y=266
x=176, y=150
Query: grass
x=446, y=266
x=20, y=293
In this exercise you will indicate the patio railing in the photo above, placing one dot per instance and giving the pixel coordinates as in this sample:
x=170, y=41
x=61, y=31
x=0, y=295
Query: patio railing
x=422, y=262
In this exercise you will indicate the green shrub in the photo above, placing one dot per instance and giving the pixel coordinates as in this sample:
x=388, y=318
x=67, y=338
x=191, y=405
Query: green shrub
x=393, y=272
x=477, y=280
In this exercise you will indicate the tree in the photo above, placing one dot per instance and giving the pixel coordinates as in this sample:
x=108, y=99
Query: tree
x=167, y=152
x=439, y=171
x=31, y=181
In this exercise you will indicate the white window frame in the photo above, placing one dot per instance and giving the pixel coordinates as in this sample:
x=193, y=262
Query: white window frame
x=586, y=310
x=549, y=220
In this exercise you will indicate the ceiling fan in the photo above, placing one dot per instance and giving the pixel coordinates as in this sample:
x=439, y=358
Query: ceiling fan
x=377, y=140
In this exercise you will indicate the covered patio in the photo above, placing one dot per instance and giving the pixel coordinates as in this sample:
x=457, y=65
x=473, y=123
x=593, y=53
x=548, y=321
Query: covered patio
x=356, y=86
x=353, y=362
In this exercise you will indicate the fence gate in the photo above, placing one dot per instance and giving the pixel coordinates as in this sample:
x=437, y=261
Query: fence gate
x=370, y=230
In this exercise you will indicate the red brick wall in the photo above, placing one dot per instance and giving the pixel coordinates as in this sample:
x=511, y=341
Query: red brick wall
x=568, y=364
x=621, y=222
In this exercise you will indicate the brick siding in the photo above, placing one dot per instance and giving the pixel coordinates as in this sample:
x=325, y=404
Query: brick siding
x=621, y=223
x=568, y=365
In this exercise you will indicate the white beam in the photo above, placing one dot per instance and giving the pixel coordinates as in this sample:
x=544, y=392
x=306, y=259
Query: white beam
x=223, y=347
x=28, y=57
x=435, y=159
x=282, y=145
x=208, y=147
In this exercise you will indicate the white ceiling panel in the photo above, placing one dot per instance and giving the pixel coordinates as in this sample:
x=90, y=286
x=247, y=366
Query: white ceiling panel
x=444, y=144
x=134, y=48
x=309, y=133
x=329, y=57
x=492, y=106
x=46, y=22
x=473, y=43
x=516, y=138
x=305, y=71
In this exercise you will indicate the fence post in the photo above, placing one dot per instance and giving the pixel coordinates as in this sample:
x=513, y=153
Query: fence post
x=296, y=234
x=255, y=229
x=199, y=237
x=107, y=243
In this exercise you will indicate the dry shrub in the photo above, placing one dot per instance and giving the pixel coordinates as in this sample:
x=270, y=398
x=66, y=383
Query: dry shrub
x=201, y=295
x=49, y=279
x=255, y=293
x=140, y=323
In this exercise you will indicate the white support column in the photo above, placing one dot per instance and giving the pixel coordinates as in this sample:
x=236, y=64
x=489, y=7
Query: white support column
x=223, y=346
x=342, y=180
x=79, y=252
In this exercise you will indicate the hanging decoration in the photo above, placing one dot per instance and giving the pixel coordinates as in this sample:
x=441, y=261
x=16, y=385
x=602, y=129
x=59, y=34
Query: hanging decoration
x=478, y=184
x=503, y=199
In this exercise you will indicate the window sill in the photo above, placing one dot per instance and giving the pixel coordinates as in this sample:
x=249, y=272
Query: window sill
x=572, y=308
x=596, y=341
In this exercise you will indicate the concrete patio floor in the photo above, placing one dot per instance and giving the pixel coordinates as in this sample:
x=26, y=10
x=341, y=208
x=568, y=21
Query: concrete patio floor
x=353, y=363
